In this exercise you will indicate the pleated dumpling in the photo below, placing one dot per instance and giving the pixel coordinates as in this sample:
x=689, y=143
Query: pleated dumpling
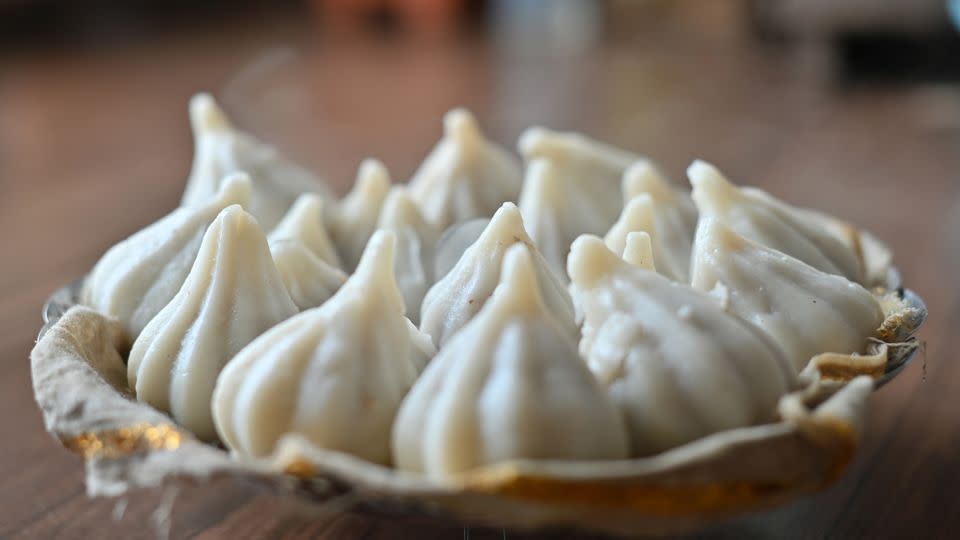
x=232, y=295
x=465, y=176
x=416, y=239
x=334, y=375
x=309, y=280
x=578, y=192
x=353, y=219
x=136, y=278
x=304, y=223
x=554, y=215
x=760, y=217
x=459, y=295
x=672, y=219
x=803, y=309
x=510, y=385
x=221, y=149
x=677, y=365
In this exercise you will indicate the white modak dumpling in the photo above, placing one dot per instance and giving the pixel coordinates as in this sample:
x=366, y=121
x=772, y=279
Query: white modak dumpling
x=304, y=223
x=309, y=280
x=334, y=375
x=673, y=216
x=232, y=295
x=678, y=366
x=553, y=214
x=415, y=242
x=581, y=191
x=803, y=309
x=459, y=295
x=221, y=149
x=465, y=176
x=764, y=219
x=353, y=219
x=136, y=278
x=510, y=385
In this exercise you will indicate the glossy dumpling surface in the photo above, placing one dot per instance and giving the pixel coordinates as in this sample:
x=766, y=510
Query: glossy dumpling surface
x=353, y=219
x=334, y=375
x=768, y=221
x=465, y=176
x=416, y=239
x=460, y=294
x=803, y=309
x=675, y=363
x=136, y=278
x=221, y=149
x=510, y=385
x=232, y=294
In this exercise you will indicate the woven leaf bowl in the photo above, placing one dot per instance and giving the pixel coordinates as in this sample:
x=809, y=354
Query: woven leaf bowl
x=79, y=377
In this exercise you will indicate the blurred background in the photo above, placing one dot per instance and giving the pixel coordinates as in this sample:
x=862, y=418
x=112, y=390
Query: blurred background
x=850, y=106
x=332, y=81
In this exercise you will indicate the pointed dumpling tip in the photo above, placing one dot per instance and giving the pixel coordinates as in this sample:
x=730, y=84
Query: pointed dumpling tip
x=644, y=177
x=399, y=207
x=304, y=224
x=372, y=177
x=710, y=186
x=506, y=223
x=206, y=114
x=531, y=141
x=639, y=250
x=236, y=188
x=700, y=168
x=378, y=254
x=518, y=281
x=637, y=215
x=590, y=261
x=232, y=212
x=375, y=271
x=307, y=208
x=461, y=125
x=235, y=218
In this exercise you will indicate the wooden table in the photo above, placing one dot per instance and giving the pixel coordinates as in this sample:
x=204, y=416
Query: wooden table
x=94, y=144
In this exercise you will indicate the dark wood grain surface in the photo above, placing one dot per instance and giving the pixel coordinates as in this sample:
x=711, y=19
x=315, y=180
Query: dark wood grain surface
x=94, y=144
